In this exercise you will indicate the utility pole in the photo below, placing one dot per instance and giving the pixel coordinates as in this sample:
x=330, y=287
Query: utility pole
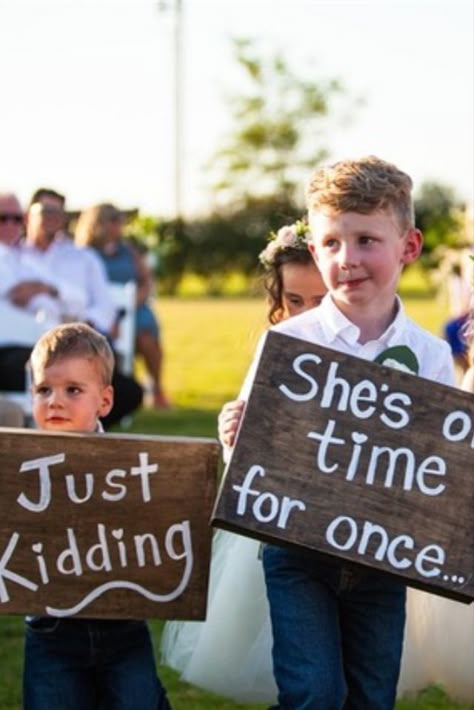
x=176, y=7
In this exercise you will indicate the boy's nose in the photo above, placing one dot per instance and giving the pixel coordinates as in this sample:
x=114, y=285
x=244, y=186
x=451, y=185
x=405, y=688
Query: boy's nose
x=55, y=399
x=348, y=256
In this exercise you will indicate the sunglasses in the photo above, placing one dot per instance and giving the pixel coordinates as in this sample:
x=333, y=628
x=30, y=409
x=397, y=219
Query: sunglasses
x=16, y=218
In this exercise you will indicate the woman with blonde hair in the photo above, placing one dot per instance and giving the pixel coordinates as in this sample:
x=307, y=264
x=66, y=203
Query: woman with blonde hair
x=101, y=227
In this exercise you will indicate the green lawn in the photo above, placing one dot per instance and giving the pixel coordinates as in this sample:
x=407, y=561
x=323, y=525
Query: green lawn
x=208, y=346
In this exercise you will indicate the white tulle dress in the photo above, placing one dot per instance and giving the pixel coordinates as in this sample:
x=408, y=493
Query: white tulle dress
x=439, y=646
x=230, y=652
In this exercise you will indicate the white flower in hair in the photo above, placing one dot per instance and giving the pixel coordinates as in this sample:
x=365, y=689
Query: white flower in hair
x=292, y=236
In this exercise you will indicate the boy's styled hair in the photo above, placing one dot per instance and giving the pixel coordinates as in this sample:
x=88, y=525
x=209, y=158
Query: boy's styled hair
x=365, y=186
x=73, y=340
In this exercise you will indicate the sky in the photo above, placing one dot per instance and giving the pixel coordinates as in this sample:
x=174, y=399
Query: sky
x=88, y=90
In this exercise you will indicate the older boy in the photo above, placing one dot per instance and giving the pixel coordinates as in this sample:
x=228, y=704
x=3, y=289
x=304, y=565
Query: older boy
x=338, y=631
x=83, y=664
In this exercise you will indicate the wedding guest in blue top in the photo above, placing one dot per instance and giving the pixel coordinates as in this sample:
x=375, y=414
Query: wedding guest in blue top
x=101, y=227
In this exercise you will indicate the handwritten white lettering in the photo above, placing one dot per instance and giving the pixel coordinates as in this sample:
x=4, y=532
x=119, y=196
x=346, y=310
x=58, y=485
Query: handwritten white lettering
x=361, y=399
x=267, y=506
x=383, y=461
x=373, y=540
x=116, y=489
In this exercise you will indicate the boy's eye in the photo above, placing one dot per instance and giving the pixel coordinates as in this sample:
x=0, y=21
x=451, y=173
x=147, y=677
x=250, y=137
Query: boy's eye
x=73, y=389
x=365, y=239
x=42, y=390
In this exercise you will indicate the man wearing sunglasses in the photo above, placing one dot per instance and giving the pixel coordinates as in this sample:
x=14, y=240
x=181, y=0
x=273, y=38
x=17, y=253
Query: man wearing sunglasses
x=11, y=229
x=34, y=287
x=11, y=219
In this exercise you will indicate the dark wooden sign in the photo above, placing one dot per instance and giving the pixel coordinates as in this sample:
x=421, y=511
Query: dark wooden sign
x=105, y=525
x=359, y=461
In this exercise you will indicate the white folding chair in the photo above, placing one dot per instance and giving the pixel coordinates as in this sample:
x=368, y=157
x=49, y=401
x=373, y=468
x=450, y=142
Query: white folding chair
x=124, y=297
x=23, y=329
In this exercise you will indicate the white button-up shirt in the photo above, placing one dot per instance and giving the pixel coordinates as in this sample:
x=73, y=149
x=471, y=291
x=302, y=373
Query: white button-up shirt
x=89, y=298
x=327, y=326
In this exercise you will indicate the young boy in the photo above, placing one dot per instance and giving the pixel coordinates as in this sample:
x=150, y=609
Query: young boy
x=338, y=630
x=83, y=664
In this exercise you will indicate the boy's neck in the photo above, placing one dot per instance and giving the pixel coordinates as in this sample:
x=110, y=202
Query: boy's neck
x=372, y=322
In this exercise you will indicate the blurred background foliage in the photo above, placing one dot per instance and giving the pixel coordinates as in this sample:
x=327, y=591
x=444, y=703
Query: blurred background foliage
x=279, y=134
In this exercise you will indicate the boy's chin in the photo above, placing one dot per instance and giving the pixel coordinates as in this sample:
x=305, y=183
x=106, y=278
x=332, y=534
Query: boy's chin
x=68, y=426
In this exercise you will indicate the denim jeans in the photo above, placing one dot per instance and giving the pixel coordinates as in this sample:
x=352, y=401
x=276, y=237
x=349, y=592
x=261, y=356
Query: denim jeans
x=337, y=630
x=89, y=664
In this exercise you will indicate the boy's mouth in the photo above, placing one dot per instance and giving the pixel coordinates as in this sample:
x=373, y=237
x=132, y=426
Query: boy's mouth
x=352, y=282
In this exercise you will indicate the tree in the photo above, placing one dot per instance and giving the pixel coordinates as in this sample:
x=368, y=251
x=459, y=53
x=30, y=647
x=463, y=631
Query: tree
x=277, y=137
x=439, y=215
x=277, y=134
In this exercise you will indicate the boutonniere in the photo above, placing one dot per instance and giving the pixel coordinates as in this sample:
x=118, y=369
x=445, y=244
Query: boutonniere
x=399, y=357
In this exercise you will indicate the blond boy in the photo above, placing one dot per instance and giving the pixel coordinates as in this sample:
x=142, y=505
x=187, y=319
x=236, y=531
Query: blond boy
x=83, y=664
x=337, y=630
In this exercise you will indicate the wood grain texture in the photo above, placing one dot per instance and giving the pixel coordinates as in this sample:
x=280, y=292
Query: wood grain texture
x=105, y=525
x=359, y=461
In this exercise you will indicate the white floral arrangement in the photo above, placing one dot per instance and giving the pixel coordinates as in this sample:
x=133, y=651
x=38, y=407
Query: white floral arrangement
x=292, y=236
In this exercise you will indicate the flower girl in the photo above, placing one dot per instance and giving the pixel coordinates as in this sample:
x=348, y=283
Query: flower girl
x=230, y=652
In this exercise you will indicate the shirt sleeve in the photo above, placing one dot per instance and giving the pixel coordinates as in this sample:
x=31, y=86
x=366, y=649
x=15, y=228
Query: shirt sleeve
x=445, y=373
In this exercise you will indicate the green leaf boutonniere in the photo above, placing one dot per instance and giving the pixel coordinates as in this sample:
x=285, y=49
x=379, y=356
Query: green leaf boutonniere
x=400, y=357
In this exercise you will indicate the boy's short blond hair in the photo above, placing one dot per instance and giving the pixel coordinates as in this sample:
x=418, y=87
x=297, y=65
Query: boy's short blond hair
x=364, y=186
x=73, y=340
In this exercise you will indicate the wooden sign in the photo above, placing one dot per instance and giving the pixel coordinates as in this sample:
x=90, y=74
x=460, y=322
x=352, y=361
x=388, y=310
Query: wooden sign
x=105, y=525
x=359, y=461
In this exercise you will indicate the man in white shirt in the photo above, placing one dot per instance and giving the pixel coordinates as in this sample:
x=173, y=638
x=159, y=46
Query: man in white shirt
x=47, y=248
x=20, y=287
x=29, y=285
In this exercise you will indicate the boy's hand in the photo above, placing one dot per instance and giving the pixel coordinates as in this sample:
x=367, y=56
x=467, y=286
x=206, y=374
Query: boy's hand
x=229, y=420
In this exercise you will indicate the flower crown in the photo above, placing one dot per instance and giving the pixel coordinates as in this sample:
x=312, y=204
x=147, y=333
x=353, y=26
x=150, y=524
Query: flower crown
x=292, y=236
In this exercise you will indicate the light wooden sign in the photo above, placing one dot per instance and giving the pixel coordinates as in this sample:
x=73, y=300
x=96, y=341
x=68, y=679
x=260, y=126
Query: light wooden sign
x=359, y=461
x=105, y=525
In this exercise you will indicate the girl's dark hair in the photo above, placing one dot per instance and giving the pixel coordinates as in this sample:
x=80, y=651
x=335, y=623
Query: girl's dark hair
x=273, y=280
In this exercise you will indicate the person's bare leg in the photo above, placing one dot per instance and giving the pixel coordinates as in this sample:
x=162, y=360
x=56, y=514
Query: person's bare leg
x=152, y=353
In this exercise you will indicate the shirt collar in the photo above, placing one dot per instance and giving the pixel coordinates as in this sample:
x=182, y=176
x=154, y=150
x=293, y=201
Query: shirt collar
x=336, y=325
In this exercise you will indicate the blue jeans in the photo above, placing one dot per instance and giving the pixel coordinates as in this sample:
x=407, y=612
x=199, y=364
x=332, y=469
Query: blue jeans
x=337, y=630
x=87, y=664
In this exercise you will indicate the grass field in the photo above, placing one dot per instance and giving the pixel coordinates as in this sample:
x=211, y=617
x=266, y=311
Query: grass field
x=208, y=346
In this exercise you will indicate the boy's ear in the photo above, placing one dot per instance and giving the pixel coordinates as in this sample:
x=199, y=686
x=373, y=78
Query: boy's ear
x=413, y=244
x=107, y=401
x=312, y=251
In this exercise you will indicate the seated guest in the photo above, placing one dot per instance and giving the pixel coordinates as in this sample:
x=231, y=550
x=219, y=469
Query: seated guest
x=19, y=286
x=28, y=285
x=101, y=227
x=47, y=247
x=47, y=250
